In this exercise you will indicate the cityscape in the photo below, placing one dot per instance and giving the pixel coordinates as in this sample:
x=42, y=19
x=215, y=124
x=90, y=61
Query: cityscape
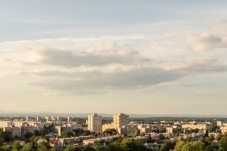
x=119, y=133
x=122, y=75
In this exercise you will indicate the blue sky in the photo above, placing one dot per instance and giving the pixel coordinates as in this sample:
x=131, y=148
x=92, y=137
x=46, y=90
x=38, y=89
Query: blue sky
x=148, y=57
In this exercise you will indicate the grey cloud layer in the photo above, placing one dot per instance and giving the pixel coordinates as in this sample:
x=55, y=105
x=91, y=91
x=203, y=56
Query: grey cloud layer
x=205, y=41
x=91, y=81
x=132, y=71
x=87, y=72
x=67, y=58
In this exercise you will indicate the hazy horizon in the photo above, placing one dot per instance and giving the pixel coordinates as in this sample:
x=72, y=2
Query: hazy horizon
x=142, y=57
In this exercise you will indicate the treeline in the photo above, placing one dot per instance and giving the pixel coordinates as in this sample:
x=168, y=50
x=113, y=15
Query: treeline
x=125, y=144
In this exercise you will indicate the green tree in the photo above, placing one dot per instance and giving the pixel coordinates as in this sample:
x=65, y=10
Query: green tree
x=110, y=132
x=194, y=146
x=45, y=146
x=89, y=148
x=179, y=146
x=72, y=148
x=6, y=136
x=223, y=143
x=16, y=146
x=132, y=145
x=5, y=148
x=168, y=145
x=115, y=146
x=27, y=147
x=66, y=134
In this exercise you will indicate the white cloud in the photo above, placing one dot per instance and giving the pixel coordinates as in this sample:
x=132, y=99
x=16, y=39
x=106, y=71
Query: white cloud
x=94, y=65
x=205, y=41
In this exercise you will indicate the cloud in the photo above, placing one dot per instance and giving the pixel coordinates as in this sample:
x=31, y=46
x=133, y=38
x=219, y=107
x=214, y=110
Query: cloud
x=205, y=41
x=196, y=66
x=69, y=59
x=207, y=66
x=81, y=66
x=98, y=81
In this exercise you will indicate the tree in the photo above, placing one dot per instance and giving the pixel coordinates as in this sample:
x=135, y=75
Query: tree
x=98, y=148
x=72, y=148
x=88, y=148
x=5, y=148
x=16, y=146
x=48, y=129
x=168, y=145
x=115, y=146
x=223, y=143
x=79, y=132
x=45, y=146
x=66, y=134
x=6, y=136
x=132, y=145
x=193, y=146
x=27, y=147
x=110, y=132
x=213, y=127
x=179, y=146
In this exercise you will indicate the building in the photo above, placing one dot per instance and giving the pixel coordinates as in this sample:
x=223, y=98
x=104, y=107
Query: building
x=4, y=124
x=107, y=126
x=27, y=118
x=37, y=118
x=195, y=126
x=69, y=119
x=94, y=123
x=120, y=119
x=219, y=123
x=169, y=130
x=62, y=129
x=59, y=119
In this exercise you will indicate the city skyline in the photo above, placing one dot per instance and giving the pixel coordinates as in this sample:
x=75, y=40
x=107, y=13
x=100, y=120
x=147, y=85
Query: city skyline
x=135, y=57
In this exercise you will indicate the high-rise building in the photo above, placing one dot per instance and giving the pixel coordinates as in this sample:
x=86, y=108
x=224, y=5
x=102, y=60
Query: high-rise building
x=94, y=123
x=120, y=119
x=27, y=118
x=58, y=119
x=69, y=119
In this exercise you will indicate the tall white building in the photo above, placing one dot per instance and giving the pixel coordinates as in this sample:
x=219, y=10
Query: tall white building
x=94, y=123
x=120, y=119
x=59, y=119
x=69, y=119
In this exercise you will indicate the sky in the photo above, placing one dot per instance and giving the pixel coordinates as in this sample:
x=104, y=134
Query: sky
x=136, y=57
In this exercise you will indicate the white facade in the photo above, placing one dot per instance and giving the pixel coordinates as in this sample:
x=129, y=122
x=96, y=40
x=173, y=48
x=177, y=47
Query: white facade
x=195, y=126
x=4, y=124
x=94, y=123
x=120, y=119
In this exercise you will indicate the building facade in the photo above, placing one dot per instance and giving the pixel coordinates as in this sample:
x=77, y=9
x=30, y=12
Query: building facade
x=94, y=123
x=120, y=120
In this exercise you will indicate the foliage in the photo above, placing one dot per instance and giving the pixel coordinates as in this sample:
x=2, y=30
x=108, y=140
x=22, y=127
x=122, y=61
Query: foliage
x=110, y=132
x=16, y=146
x=48, y=129
x=223, y=143
x=194, y=145
x=168, y=145
x=66, y=134
x=5, y=148
x=179, y=145
x=5, y=136
x=81, y=132
x=72, y=148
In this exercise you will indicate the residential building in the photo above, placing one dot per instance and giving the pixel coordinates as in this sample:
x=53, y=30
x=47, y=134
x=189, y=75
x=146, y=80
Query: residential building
x=120, y=119
x=94, y=123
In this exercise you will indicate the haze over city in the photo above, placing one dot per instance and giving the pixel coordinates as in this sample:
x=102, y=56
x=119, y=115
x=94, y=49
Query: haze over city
x=143, y=57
